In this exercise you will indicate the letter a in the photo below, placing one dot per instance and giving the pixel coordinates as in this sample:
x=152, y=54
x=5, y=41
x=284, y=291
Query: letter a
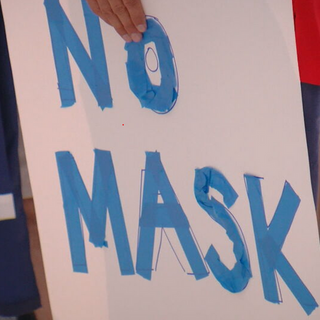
x=168, y=214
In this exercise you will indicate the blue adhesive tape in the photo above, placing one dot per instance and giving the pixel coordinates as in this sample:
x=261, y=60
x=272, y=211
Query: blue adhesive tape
x=94, y=69
x=270, y=240
x=162, y=98
x=105, y=198
x=168, y=214
x=234, y=280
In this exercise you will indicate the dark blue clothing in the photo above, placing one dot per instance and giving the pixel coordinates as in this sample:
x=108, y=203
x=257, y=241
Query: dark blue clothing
x=18, y=290
x=311, y=110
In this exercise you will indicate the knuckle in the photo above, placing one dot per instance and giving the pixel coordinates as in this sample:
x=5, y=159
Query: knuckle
x=106, y=11
x=119, y=9
x=127, y=25
x=130, y=4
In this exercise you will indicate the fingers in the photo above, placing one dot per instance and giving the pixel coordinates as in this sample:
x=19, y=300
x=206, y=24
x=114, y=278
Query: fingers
x=136, y=13
x=108, y=15
x=126, y=16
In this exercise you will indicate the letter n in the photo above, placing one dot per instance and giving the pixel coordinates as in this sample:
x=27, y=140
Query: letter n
x=94, y=69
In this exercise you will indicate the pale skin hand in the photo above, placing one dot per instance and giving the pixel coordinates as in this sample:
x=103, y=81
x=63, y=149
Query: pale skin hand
x=126, y=16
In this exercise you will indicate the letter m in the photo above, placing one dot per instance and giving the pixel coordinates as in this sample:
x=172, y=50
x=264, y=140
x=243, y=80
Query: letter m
x=94, y=69
x=105, y=197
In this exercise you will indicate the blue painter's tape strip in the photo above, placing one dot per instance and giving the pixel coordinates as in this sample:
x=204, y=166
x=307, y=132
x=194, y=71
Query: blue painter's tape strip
x=145, y=252
x=270, y=240
x=61, y=59
x=162, y=98
x=105, y=181
x=94, y=69
x=71, y=209
x=168, y=214
x=191, y=251
x=234, y=280
x=98, y=56
x=105, y=197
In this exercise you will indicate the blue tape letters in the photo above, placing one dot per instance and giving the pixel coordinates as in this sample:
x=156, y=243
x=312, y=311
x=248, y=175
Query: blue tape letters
x=270, y=240
x=168, y=214
x=94, y=69
x=105, y=196
x=159, y=98
x=234, y=280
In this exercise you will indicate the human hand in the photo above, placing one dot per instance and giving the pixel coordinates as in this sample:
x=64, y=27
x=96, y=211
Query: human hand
x=126, y=16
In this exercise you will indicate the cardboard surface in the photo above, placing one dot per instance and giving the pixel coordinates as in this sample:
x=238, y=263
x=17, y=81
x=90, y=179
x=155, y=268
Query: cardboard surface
x=238, y=111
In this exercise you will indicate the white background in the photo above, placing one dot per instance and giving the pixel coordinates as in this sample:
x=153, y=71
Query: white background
x=239, y=111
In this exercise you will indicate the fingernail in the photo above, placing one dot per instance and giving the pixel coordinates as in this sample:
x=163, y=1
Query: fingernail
x=136, y=37
x=126, y=38
x=141, y=27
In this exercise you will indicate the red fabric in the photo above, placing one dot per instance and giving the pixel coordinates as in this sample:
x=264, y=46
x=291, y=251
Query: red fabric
x=307, y=27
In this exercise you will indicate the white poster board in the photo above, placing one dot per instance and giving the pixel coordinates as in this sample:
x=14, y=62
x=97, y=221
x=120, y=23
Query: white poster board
x=238, y=114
